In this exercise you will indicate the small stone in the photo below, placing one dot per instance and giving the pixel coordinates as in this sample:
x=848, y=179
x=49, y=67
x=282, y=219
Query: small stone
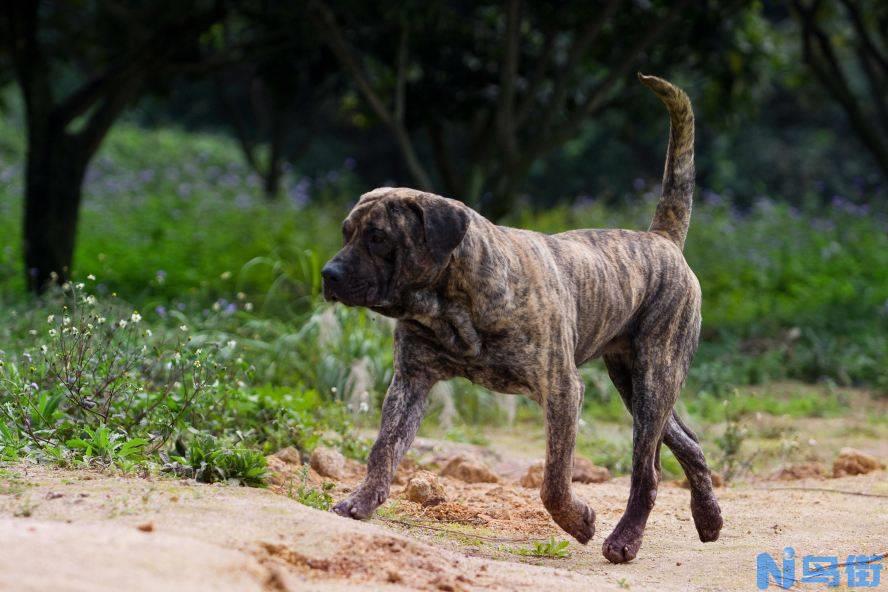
x=328, y=462
x=854, y=462
x=533, y=478
x=393, y=577
x=585, y=471
x=805, y=470
x=146, y=527
x=469, y=470
x=425, y=489
x=289, y=455
x=717, y=480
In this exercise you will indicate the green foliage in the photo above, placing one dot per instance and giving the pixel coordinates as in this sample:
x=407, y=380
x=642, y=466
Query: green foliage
x=553, y=549
x=730, y=443
x=103, y=445
x=313, y=497
x=208, y=460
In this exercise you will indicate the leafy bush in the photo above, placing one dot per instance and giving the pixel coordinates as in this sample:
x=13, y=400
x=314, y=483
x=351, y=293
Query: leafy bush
x=208, y=460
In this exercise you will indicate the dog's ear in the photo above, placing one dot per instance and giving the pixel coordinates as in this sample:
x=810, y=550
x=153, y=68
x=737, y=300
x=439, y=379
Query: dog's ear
x=444, y=223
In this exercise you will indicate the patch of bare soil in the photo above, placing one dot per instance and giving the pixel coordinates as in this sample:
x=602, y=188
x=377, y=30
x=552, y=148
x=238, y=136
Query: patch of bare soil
x=80, y=530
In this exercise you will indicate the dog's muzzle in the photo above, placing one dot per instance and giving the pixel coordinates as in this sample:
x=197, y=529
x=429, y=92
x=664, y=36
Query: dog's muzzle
x=333, y=277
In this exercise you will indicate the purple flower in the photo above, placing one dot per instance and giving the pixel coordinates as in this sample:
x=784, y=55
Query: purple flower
x=161, y=311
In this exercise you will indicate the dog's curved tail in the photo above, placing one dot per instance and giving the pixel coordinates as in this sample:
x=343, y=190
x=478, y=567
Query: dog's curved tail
x=673, y=214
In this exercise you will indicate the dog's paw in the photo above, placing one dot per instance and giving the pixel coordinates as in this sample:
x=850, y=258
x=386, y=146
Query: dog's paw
x=623, y=544
x=360, y=504
x=707, y=517
x=578, y=521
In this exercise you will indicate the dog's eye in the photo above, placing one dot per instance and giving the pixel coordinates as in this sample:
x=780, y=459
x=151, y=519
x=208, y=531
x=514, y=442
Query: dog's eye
x=377, y=237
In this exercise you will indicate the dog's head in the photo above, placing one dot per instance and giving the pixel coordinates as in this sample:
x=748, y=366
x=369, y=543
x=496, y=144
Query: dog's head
x=394, y=241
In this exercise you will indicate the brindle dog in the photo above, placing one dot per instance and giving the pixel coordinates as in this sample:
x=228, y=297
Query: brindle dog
x=518, y=311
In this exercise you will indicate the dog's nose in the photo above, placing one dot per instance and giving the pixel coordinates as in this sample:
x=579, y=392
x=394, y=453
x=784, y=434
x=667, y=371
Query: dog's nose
x=331, y=273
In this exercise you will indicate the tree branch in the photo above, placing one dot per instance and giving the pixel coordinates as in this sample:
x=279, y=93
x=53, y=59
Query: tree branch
x=535, y=80
x=818, y=54
x=862, y=32
x=598, y=97
x=505, y=111
x=585, y=39
x=240, y=126
x=325, y=20
x=401, y=82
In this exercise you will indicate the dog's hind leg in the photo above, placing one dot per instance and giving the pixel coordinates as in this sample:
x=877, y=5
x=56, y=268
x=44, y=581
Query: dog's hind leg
x=655, y=385
x=683, y=444
x=619, y=368
x=562, y=406
x=704, y=507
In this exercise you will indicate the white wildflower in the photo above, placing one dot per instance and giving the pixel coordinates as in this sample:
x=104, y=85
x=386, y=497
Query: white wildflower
x=121, y=323
x=136, y=317
x=91, y=277
x=50, y=318
x=183, y=327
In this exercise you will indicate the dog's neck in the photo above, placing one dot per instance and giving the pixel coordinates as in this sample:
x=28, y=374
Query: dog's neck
x=454, y=306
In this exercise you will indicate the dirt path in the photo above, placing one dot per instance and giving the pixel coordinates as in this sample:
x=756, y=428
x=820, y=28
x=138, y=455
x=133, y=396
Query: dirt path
x=80, y=530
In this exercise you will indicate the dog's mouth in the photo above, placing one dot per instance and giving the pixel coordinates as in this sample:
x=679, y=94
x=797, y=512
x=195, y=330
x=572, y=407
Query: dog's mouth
x=355, y=294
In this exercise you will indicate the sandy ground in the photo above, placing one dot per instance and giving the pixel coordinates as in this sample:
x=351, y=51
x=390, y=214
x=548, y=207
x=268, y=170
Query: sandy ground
x=83, y=530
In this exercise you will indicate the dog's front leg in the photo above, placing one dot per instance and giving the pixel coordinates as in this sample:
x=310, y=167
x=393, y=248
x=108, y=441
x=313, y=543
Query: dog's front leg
x=562, y=406
x=402, y=412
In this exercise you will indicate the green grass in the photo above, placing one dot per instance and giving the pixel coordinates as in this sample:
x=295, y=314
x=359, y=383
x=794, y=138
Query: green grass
x=552, y=549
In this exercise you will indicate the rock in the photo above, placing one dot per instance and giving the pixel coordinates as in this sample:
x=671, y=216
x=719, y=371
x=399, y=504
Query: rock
x=328, y=462
x=405, y=470
x=855, y=462
x=533, y=478
x=584, y=471
x=717, y=480
x=289, y=455
x=796, y=471
x=283, y=466
x=425, y=489
x=468, y=470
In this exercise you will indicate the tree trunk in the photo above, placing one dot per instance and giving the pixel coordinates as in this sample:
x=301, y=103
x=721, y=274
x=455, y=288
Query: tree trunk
x=53, y=187
x=275, y=152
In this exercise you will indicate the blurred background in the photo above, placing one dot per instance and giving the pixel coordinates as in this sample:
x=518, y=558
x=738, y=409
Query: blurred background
x=178, y=170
